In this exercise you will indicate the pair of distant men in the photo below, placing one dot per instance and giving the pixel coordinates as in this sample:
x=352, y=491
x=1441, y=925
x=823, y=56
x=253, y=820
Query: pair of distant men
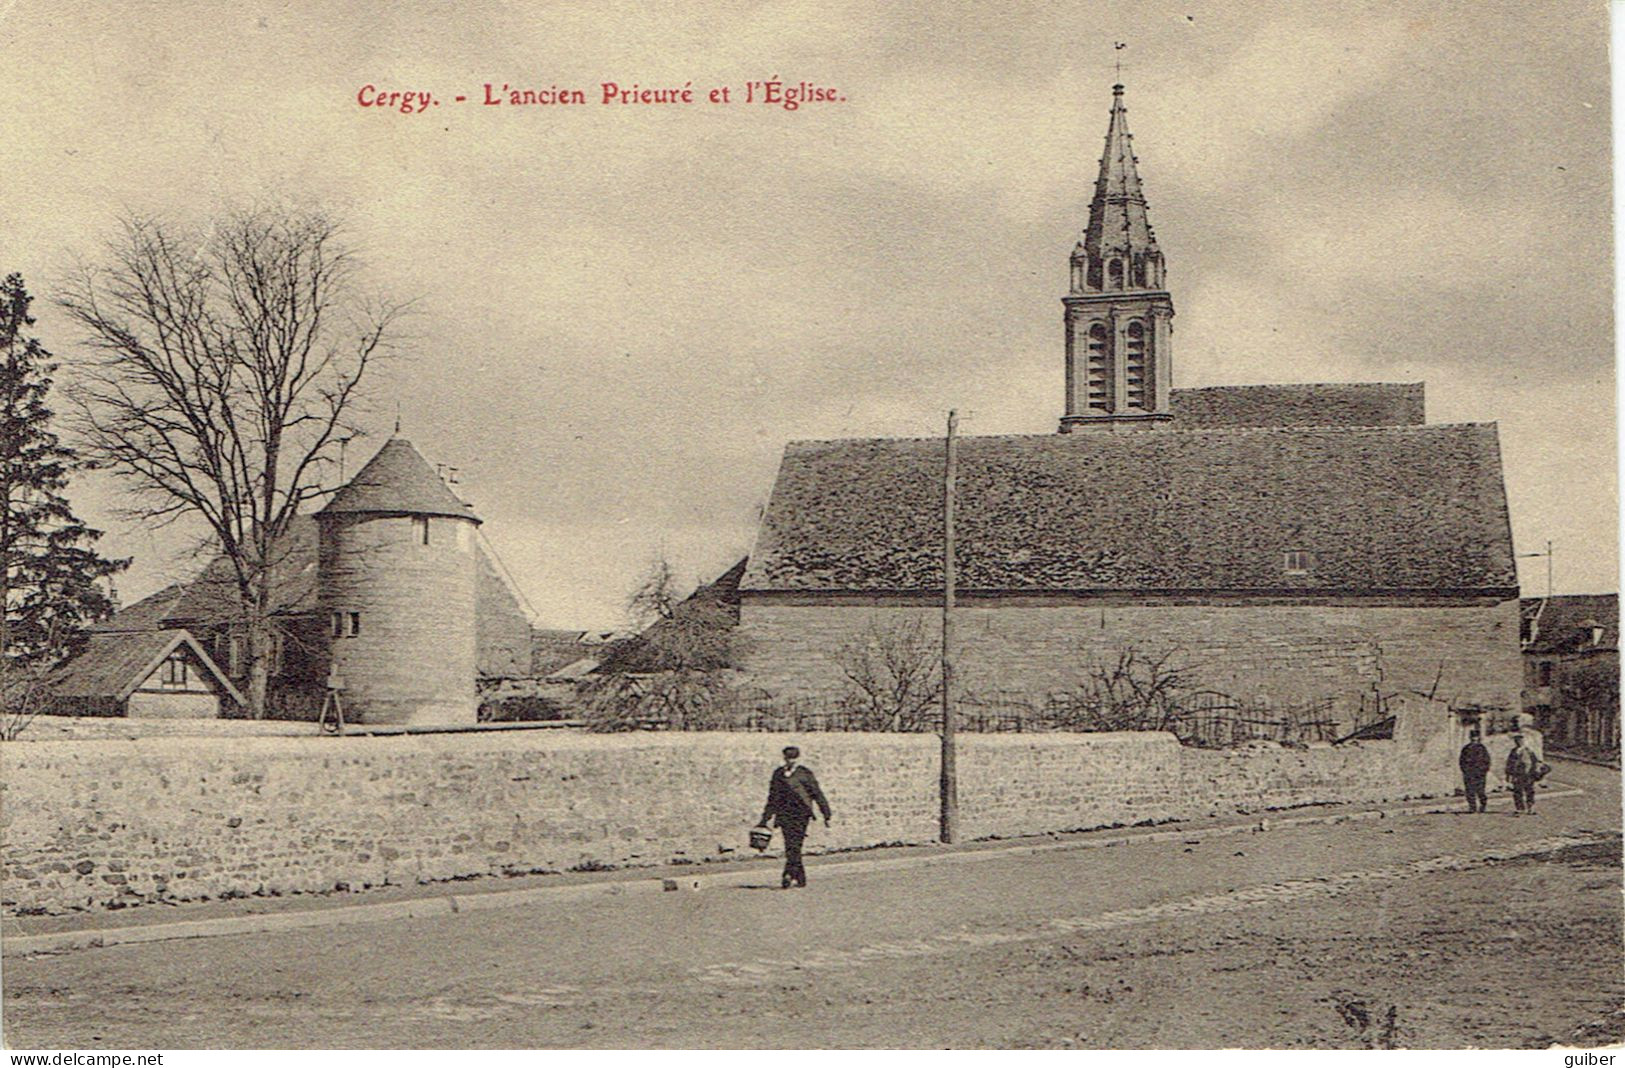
x=1523, y=769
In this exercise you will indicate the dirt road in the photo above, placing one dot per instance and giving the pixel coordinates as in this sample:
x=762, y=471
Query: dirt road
x=1428, y=930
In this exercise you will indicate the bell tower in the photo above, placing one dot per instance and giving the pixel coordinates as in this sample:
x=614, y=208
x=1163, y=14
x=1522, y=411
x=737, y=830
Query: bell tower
x=1119, y=355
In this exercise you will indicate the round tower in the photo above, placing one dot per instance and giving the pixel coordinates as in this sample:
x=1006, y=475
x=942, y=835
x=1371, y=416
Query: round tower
x=396, y=580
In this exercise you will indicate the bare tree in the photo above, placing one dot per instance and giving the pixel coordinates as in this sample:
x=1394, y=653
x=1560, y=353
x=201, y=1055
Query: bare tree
x=894, y=674
x=655, y=597
x=677, y=669
x=221, y=372
x=1139, y=691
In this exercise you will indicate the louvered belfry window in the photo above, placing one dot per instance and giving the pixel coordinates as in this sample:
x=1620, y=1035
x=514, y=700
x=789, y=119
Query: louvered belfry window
x=1099, y=368
x=1134, y=365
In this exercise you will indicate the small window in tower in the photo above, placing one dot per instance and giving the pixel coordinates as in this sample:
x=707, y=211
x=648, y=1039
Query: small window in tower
x=1115, y=273
x=420, y=529
x=1298, y=561
x=1139, y=274
x=1094, y=273
x=355, y=624
x=1545, y=677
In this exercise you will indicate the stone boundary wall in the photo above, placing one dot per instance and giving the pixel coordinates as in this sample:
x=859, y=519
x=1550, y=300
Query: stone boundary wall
x=93, y=823
x=129, y=728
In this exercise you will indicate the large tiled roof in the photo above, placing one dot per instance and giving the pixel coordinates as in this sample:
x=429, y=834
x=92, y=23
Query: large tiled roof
x=1565, y=623
x=1382, y=510
x=148, y=613
x=1311, y=404
x=211, y=598
x=113, y=664
x=398, y=480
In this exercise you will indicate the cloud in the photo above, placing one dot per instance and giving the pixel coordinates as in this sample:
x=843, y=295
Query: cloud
x=624, y=313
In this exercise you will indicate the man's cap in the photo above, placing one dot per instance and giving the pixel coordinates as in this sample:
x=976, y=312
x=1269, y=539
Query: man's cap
x=791, y=751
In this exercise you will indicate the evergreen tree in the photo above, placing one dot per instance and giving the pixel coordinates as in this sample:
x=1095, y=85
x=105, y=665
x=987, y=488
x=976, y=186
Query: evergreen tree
x=51, y=583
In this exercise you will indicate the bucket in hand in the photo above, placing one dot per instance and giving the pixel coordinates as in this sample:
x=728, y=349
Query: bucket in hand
x=760, y=837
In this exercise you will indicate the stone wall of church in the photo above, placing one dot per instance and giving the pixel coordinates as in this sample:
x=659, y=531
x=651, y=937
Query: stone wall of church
x=1283, y=654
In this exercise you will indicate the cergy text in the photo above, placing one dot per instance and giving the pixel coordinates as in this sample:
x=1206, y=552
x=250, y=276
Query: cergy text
x=407, y=102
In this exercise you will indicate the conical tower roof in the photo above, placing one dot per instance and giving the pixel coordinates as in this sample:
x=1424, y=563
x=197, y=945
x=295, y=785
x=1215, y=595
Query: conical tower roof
x=398, y=481
x=1118, y=222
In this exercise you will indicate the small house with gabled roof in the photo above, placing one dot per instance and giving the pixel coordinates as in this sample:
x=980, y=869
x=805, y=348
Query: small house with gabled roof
x=144, y=673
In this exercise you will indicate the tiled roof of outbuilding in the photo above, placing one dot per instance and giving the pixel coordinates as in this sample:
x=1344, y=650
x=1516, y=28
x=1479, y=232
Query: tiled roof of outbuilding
x=694, y=636
x=398, y=480
x=1309, y=404
x=1382, y=510
x=552, y=649
x=148, y=613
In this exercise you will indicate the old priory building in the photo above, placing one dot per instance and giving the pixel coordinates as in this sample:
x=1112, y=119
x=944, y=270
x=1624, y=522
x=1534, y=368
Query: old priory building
x=387, y=590
x=1290, y=543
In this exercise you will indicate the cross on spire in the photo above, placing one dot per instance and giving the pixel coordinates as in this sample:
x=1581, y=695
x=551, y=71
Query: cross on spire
x=1118, y=46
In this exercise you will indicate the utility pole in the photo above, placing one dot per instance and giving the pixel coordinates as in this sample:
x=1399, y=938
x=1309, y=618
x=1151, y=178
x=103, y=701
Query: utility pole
x=1534, y=627
x=949, y=786
x=1548, y=569
x=1548, y=555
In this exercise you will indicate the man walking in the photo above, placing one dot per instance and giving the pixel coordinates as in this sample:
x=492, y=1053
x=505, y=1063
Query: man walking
x=1523, y=769
x=791, y=798
x=1475, y=766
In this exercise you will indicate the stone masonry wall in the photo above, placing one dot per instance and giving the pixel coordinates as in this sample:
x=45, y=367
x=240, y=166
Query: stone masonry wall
x=413, y=660
x=86, y=823
x=1283, y=653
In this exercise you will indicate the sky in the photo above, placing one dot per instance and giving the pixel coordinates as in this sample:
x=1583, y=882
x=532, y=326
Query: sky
x=622, y=313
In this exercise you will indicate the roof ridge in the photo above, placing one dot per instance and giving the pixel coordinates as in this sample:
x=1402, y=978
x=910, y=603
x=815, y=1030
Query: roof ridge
x=1165, y=433
x=1297, y=385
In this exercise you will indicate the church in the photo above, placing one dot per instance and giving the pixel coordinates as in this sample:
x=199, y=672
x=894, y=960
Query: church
x=1285, y=543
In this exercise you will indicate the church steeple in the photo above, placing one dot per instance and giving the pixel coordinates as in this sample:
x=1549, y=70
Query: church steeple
x=1118, y=352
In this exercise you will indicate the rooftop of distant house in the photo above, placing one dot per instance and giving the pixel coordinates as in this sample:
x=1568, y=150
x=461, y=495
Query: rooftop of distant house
x=1571, y=623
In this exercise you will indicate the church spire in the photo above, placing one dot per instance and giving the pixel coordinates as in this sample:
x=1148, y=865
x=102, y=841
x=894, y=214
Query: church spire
x=1118, y=353
x=1119, y=226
